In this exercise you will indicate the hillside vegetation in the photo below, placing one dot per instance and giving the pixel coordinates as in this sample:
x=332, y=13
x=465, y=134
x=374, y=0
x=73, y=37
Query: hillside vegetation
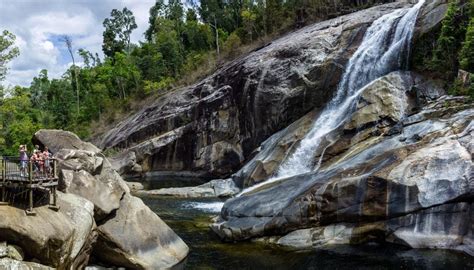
x=181, y=46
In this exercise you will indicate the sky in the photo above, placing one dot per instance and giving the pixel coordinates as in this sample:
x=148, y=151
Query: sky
x=39, y=26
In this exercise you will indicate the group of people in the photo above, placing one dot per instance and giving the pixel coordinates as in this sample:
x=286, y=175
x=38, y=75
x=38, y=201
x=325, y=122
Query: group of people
x=41, y=161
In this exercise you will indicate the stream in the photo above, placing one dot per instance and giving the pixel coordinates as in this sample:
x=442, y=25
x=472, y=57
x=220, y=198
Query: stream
x=190, y=219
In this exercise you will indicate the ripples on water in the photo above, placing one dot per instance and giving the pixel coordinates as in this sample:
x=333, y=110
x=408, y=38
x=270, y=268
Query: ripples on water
x=190, y=219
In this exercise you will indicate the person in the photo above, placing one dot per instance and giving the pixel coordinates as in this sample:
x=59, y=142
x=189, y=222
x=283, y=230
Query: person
x=38, y=162
x=23, y=160
x=47, y=162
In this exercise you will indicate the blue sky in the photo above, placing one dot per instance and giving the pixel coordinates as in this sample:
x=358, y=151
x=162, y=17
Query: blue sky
x=40, y=24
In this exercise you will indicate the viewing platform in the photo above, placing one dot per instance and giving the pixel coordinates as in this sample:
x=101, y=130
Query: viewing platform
x=28, y=181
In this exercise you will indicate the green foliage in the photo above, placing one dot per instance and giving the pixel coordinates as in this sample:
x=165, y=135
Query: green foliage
x=445, y=54
x=232, y=44
x=117, y=31
x=467, y=51
x=18, y=120
x=458, y=89
x=7, y=51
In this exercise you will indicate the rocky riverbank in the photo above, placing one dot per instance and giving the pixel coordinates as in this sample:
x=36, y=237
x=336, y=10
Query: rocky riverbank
x=98, y=220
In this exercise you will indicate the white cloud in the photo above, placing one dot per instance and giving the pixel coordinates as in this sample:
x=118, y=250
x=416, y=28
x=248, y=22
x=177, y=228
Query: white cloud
x=39, y=25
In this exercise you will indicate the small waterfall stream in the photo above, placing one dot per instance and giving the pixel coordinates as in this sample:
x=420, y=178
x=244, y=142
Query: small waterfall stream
x=385, y=48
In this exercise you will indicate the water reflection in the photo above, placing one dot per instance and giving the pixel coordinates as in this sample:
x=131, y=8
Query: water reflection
x=190, y=218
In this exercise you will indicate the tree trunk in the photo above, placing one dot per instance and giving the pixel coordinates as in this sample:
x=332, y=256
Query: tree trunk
x=217, y=36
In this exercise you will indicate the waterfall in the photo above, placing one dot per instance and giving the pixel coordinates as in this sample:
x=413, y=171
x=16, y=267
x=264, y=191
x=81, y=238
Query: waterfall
x=384, y=48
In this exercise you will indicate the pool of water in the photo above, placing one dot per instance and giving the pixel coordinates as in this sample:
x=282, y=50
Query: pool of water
x=190, y=219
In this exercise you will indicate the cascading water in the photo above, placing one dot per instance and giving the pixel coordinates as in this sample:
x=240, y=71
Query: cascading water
x=385, y=48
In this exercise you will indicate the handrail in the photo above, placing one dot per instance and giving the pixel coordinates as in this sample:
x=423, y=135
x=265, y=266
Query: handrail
x=29, y=174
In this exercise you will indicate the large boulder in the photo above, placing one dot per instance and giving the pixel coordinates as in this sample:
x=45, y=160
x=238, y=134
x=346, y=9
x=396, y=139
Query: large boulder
x=383, y=99
x=56, y=140
x=85, y=185
x=137, y=238
x=214, y=188
x=125, y=162
x=446, y=227
x=210, y=128
x=130, y=234
x=58, y=239
x=89, y=175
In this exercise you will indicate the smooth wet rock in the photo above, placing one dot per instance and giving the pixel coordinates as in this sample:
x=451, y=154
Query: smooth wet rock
x=443, y=227
x=212, y=189
x=56, y=239
x=358, y=185
x=440, y=171
x=446, y=226
x=137, y=238
x=56, y=140
x=181, y=192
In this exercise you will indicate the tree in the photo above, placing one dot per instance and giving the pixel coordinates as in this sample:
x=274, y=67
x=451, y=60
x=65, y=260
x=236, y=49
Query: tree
x=156, y=11
x=116, y=37
x=68, y=41
x=7, y=51
x=467, y=51
x=453, y=29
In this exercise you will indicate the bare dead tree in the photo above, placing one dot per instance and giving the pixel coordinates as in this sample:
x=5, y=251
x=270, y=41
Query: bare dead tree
x=68, y=41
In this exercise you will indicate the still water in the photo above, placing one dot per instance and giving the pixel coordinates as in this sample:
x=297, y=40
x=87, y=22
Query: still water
x=190, y=219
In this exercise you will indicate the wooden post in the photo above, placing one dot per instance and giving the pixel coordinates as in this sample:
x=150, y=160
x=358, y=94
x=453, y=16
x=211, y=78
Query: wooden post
x=53, y=189
x=4, y=176
x=30, y=211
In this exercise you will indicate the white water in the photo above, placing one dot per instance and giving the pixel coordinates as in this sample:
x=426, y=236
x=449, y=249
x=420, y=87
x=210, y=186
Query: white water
x=385, y=48
x=209, y=207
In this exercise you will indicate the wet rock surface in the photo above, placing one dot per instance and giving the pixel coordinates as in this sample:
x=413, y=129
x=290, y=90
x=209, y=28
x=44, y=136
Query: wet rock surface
x=212, y=189
x=412, y=187
x=210, y=128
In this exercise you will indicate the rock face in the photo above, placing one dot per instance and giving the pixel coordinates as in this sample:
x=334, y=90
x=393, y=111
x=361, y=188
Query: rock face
x=129, y=233
x=126, y=162
x=210, y=128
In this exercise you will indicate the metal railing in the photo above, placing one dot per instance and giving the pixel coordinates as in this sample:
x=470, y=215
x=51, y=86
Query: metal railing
x=20, y=177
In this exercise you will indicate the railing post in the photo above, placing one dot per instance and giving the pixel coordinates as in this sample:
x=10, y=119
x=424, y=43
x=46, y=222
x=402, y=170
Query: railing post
x=4, y=176
x=30, y=211
x=53, y=189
